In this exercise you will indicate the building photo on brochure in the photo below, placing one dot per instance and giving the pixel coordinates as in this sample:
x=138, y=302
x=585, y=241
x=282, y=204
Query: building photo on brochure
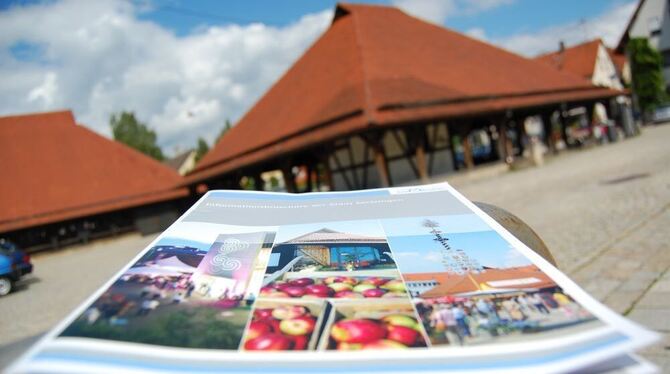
x=347, y=259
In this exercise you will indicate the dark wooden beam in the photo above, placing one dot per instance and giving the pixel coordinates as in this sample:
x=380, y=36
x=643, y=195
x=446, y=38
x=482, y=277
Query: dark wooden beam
x=341, y=170
x=467, y=153
x=366, y=150
x=375, y=142
x=416, y=140
x=353, y=162
x=289, y=178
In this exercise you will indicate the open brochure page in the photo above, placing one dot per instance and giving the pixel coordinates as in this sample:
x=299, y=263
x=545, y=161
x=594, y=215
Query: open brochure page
x=413, y=279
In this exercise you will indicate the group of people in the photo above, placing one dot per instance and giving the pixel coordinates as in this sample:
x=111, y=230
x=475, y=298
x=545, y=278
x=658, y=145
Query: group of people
x=180, y=288
x=461, y=319
x=115, y=308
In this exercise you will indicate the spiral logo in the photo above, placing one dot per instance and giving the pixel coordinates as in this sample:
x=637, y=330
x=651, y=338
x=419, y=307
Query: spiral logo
x=222, y=261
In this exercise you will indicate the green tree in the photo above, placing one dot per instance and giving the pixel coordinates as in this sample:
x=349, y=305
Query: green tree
x=201, y=149
x=646, y=69
x=133, y=133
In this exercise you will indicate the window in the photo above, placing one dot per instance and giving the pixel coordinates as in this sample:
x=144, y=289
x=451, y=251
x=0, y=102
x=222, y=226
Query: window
x=356, y=257
x=274, y=259
x=666, y=58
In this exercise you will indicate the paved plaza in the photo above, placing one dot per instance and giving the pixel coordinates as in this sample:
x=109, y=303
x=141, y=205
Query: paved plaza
x=603, y=212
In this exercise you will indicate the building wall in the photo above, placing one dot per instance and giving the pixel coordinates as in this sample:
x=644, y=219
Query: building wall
x=653, y=22
x=604, y=72
x=188, y=165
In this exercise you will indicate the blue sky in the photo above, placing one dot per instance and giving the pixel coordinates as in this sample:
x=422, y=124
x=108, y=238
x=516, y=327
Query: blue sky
x=455, y=223
x=503, y=18
x=422, y=254
x=184, y=67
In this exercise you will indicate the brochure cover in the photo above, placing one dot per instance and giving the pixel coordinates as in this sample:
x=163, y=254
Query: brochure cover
x=410, y=279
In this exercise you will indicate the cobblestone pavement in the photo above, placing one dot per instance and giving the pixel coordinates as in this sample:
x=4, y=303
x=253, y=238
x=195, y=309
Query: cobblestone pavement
x=604, y=212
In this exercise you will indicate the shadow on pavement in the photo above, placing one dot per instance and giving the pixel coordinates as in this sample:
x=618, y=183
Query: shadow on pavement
x=12, y=351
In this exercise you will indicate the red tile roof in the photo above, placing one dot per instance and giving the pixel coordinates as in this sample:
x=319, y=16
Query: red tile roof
x=579, y=59
x=451, y=283
x=54, y=169
x=619, y=59
x=378, y=66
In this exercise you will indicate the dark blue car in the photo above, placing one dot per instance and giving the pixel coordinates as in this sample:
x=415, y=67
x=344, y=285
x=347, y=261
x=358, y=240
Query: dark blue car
x=14, y=264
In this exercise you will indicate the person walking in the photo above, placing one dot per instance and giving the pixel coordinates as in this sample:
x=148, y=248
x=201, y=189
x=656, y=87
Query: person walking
x=461, y=321
x=451, y=326
x=538, y=303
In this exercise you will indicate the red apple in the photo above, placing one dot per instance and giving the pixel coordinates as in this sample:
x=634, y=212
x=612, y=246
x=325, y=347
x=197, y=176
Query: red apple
x=301, y=282
x=363, y=287
x=288, y=311
x=300, y=342
x=257, y=328
x=375, y=281
x=281, y=286
x=395, y=285
x=274, y=293
x=294, y=291
x=274, y=323
x=337, y=287
x=320, y=290
x=302, y=325
x=343, y=346
x=357, y=331
x=269, y=342
x=402, y=334
x=346, y=294
x=401, y=320
x=340, y=279
x=384, y=344
x=394, y=295
x=263, y=313
x=374, y=292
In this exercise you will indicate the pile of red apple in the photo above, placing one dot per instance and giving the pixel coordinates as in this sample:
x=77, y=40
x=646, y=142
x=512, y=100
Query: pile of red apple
x=280, y=329
x=336, y=287
x=390, y=332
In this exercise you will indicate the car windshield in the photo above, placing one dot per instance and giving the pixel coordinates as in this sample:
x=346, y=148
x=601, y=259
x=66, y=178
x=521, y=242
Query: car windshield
x=7, y=247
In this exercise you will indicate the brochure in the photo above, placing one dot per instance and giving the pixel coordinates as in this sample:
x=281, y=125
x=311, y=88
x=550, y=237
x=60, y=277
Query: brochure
x=409, y=279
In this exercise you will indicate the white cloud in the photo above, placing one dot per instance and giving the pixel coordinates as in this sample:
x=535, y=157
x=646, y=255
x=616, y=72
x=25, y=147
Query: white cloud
x=46, y=92
x=477, y=33
x=98, y=58
x=608, y=25
x=433, y=256
x=437, y=11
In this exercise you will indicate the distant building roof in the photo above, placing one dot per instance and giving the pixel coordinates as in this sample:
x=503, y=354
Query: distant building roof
x=619, y=59
x=183, y=162
x=579, y=59
x=325, y=236
x=523, y=277
x=377, y=66
x=54, y=169
x=621, y=46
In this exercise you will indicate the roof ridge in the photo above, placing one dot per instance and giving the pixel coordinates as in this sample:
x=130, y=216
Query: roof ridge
x=58, y=112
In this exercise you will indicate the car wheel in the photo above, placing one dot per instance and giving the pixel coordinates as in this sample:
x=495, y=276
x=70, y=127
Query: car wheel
x=5, y=286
